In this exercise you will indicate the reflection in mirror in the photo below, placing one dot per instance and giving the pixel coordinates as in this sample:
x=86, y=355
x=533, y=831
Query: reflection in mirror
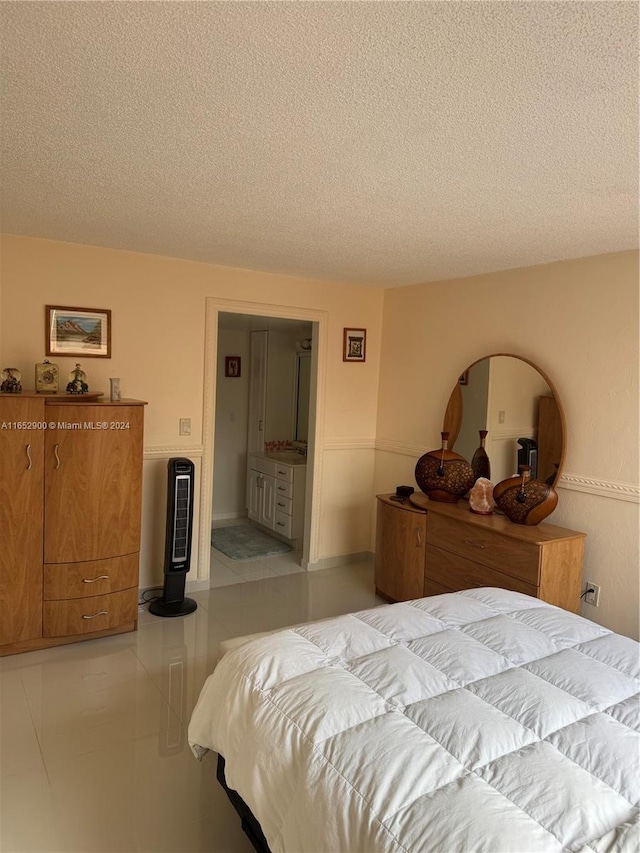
x=514, y=402
x=301, y=407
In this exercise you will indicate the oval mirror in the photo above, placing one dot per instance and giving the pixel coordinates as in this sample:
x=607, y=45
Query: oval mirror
x=518, y=406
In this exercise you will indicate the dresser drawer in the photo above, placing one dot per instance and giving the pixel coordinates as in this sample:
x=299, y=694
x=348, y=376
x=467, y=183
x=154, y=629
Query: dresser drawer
x=95, y=577
x=511, y=556
x=455, y=573
x=84, y=615
x=283, y=524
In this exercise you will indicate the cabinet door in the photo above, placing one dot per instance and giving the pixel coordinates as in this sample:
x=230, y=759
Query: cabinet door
x=21, y=452
x=401, y=534
x=268, y=502
x=93, y=482
x=253, y=494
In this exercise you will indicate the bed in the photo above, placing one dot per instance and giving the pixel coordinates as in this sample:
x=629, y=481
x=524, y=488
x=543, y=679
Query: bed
x=482, y=720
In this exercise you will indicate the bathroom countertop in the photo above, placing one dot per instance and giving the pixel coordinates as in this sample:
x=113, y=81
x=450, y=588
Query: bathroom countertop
x=289, y=457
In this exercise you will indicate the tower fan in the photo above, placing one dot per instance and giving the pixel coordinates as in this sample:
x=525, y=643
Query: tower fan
x=177, y=543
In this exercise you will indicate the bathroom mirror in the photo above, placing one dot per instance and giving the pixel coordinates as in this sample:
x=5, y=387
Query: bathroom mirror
x=512, y=399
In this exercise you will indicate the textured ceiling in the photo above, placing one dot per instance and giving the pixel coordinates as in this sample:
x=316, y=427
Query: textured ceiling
x=383, y=143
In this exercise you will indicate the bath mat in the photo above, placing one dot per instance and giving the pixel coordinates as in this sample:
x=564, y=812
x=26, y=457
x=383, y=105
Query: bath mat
x=243, y=542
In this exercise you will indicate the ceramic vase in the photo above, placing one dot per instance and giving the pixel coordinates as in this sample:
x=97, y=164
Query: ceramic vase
x=480, y=462
x=523, y=500
x=444, y=475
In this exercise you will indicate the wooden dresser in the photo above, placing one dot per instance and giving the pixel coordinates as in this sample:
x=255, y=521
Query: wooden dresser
x=70, y=506
x=464, y=550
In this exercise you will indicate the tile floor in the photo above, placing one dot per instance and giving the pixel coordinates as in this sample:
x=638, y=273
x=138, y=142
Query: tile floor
x=93, y=748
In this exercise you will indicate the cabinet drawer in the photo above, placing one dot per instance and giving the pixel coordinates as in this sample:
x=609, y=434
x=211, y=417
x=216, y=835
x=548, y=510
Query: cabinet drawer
x=284, y=489
x=433, y=588
x=514, y=557
x=284, y=472
x=283, y=524
x=84, y=615
x=95, y=577
x=284, y=505
x=455, y=573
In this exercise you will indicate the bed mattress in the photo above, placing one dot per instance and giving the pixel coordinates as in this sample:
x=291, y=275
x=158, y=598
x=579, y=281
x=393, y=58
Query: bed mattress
x=483, y=720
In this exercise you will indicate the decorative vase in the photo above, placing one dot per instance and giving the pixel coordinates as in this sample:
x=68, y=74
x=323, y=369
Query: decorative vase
x=481, y=497
x=480, y=462
x=523, y=500
x=444, y=475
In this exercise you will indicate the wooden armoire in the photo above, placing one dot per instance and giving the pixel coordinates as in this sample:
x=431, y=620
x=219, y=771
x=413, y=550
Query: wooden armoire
x=70, y=508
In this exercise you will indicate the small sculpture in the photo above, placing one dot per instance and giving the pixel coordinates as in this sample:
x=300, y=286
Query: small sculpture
x=481, y=497
x=78, y=381
x=11, y=381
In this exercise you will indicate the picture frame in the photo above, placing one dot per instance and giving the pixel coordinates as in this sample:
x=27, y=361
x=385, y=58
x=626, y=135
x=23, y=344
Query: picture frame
x=77, y=332
x=464, y=378
x=354, y=345
x=232, y=366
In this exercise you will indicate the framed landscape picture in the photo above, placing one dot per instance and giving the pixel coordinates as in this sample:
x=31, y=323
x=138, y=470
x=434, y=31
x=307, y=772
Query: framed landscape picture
x=84, y=332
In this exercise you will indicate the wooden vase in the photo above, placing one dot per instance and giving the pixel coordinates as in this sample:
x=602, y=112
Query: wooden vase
x=480, y=462
x=444, y=475
x=523, y=500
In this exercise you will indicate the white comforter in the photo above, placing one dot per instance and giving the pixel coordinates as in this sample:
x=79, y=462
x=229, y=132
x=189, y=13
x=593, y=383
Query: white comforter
x=477, y=721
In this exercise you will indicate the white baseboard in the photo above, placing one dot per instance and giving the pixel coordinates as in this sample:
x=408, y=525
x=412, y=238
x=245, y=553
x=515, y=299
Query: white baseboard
x=330, y=562
x=223, y=516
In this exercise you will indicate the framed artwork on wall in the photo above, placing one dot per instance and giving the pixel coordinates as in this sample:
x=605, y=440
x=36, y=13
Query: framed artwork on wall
x=84, y=332
x=232, y=366
x=354, y=345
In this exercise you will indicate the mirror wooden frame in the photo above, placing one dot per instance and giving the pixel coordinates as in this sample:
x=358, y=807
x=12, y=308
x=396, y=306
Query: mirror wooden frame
x=454, y=412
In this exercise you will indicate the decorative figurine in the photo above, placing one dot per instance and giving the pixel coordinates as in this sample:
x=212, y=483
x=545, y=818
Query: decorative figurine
x=47, y=377
x=78, y=381
x=11, y=381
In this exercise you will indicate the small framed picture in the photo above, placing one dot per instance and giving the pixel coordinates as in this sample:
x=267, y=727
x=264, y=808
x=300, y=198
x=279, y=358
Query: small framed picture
x=83, y=332
x=464, y=378
x=232, y=366
x=354, y=345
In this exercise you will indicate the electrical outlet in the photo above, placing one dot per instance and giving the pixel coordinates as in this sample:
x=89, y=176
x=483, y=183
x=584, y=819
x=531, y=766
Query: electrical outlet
x=592, y=597
x=185, y=426
x=501, y=416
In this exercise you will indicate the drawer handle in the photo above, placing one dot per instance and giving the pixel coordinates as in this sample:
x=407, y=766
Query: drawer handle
x=280, y=503
x=282, y=488
x=28, y=449
x=282, y=472
x=474, y=544
x=419, y=532
x=280, y=523
x=472, y=582
x=93, y=580
x=99, y=613
x=55, y=452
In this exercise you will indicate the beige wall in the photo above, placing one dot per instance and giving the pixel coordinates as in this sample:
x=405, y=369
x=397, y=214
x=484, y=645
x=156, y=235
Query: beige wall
x=578, y=321
x=158, y=337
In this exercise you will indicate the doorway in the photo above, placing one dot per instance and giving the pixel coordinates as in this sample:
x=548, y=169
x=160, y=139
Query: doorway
x=226, y=407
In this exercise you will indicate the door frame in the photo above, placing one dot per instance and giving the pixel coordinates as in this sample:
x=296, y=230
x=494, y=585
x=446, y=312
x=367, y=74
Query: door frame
x=213, y=307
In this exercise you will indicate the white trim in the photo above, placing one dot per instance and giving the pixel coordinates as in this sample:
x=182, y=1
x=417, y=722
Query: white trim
x=331, y=562
x=349, y=444
x=387, y=445
x=604, y=488
x=166, y=451
x=213, y=306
